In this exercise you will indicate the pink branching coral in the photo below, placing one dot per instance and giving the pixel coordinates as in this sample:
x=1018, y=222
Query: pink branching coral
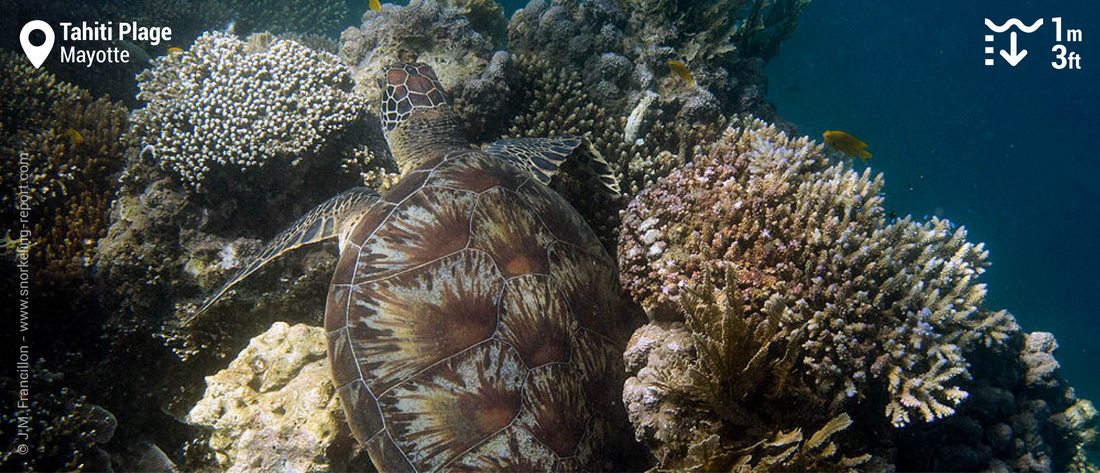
x=805, y=240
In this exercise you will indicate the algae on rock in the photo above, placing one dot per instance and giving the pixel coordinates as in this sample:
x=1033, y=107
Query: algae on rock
x=275, y=408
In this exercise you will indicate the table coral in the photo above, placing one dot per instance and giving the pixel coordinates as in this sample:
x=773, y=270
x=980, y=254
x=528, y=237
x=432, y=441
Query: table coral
x=226, y=106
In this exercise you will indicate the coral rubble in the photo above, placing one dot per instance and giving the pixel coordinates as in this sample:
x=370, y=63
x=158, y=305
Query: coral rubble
x=274, y=406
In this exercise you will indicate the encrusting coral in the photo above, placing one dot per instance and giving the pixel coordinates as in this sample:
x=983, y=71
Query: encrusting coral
x=792, y=299
x=227, y=106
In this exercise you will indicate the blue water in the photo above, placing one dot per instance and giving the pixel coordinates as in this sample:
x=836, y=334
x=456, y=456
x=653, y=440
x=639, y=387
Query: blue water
x=1012, y=153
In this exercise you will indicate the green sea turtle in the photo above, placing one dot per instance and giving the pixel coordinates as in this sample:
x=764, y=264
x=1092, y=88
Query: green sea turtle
x=474, y=320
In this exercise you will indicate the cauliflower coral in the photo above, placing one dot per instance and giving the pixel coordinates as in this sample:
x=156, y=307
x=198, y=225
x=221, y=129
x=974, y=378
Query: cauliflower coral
x=239, y=105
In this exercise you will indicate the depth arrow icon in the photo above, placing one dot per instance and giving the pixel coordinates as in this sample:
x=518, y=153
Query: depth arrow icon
x=1014, y=57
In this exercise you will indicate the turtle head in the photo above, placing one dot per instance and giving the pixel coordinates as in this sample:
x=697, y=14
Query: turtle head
x=417, y=119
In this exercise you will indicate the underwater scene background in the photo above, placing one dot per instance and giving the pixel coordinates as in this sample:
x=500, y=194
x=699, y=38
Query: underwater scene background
x=780, y=235
x=1010, y=153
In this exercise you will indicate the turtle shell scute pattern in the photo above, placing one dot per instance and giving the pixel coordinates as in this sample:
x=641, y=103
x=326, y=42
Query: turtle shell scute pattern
x=476, y=324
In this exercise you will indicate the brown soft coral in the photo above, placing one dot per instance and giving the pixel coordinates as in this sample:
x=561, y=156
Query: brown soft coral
x=68, y=155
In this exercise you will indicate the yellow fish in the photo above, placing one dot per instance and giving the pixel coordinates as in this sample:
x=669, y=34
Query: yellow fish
x=174, y=49
x=847, y=144
x=375, y=5
x=74, y=136
x=681, y=70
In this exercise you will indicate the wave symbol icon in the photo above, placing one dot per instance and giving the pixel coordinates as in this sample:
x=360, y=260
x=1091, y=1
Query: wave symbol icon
x=1013, y=22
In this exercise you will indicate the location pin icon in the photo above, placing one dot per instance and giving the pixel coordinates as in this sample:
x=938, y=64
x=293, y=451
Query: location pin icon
x=37, y=54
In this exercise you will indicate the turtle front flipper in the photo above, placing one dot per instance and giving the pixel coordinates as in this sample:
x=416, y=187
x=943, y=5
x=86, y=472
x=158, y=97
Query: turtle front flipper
x=543, y=156
x=332, y=218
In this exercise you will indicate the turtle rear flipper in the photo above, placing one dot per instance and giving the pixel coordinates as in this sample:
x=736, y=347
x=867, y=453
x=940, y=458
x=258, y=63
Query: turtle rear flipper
x=544, y=156
x=332, y=218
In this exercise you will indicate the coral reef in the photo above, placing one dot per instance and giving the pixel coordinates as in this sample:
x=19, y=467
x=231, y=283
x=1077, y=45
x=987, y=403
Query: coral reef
x=556, y=103
x=66, y=431
x=1020, y=416
x=592, y=69
x=167, y=248
x=458, y=39
x=781, y=297
x=807, y=244
x=65, y=144
x=703, y=405
x=168, y=245
x=600, y=70
x=65, y=153
x=157, y=261
x=227, y=106
x=274, y=406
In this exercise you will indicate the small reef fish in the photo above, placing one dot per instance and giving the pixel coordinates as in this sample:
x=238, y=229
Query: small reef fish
x=174, y=49
x=74, y=136
x=376, y=5
x=681, y=70
x=847, y=144
x=141, y=57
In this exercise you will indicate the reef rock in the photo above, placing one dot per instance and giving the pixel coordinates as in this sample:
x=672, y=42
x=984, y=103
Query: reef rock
x=275, y=408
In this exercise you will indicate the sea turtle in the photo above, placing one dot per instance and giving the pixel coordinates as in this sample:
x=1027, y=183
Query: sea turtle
x=474, y=320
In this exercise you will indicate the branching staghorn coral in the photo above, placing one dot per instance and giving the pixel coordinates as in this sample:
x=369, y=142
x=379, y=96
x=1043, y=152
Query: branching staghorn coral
x=228, y=105
x=863, y=302
x=66, y=146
